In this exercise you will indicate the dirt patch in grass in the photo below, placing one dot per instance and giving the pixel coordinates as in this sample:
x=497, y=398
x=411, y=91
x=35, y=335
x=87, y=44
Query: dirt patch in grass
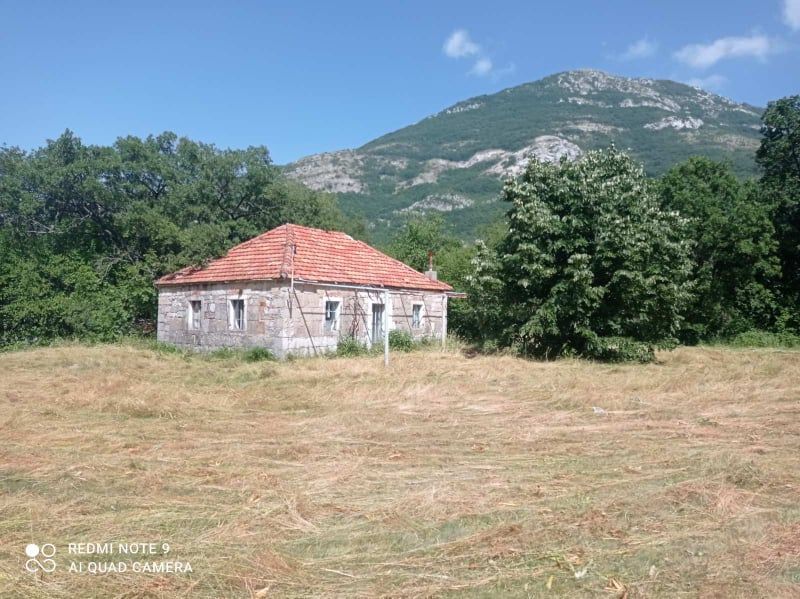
x=441, y=476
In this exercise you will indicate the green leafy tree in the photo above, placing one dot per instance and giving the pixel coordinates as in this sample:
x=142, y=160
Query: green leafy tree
x=420, y=236
x=779, y=153
x=482, y=315
x=734, y=252
x=779, y=157
x=591, y=265
x=453, y=263
x=84, y=230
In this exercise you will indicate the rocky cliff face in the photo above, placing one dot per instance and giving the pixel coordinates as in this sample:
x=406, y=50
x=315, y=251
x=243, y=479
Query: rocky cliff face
x=335, y=172
x=453, y=162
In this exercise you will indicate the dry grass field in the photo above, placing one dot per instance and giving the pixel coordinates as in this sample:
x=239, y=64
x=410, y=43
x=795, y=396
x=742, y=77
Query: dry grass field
x=441, y=476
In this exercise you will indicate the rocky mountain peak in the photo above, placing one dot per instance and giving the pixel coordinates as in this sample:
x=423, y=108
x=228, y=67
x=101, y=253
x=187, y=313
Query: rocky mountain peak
x=454, y=161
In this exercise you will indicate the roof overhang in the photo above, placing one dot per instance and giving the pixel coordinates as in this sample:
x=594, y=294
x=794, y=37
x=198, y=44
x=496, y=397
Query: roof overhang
x=354, y=286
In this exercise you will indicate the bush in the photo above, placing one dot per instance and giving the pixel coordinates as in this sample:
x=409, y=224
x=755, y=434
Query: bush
x=400, y=341
x=620, y=349
x=258, y=354
x=349, y=347
x=489, y=347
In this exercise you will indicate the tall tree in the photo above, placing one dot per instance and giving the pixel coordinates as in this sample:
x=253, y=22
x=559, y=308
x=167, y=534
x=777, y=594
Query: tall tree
x=590, y=265
x=779, y=157
x=735, y=265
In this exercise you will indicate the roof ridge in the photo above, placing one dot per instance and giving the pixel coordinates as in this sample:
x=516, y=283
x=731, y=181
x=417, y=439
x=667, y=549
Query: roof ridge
x=296, y=227
x=288, y=240
x=249, y=242
x=400, y=262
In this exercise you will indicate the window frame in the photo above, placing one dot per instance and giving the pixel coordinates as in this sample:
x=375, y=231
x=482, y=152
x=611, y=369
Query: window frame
x=232, y=314
x=337, y=321
x=195, y=320
x=417, y=324
x=371, y=329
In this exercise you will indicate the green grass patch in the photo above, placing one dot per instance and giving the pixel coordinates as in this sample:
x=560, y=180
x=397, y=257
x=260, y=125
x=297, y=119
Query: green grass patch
x=763, y=339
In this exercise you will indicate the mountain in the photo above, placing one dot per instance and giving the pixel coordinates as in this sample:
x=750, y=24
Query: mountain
x=453, y=162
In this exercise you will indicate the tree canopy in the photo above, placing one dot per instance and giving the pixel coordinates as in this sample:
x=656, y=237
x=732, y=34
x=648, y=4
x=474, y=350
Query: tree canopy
x=779, y=157
x=735, y=267
x=590, y=265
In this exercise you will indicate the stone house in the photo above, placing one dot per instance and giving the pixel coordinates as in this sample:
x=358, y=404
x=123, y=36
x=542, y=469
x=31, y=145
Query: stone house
x=298, y=290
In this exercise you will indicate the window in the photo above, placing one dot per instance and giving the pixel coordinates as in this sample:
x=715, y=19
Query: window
x=416, y=316
x=332, y=315
x=237, y=320
x=376, y=336
x=194, y=314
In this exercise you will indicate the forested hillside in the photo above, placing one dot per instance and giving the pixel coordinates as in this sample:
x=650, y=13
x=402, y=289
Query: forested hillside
x=453, y=162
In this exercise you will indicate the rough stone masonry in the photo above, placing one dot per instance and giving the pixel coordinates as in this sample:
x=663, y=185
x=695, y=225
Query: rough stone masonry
x=289, y=322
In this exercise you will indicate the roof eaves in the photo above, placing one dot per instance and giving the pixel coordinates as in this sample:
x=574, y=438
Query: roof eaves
x=441, y=287
x=162, y=283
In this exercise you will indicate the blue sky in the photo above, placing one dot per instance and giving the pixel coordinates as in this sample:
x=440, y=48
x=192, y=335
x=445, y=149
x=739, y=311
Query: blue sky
x=306, y=77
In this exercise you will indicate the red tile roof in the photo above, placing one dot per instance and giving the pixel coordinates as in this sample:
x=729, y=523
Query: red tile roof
x=320, y=256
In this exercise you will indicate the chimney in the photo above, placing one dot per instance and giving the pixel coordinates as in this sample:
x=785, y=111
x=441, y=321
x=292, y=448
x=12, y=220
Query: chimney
x=430, y=273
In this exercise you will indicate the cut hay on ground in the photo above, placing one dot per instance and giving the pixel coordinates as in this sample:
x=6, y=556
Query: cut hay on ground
x=441, y=476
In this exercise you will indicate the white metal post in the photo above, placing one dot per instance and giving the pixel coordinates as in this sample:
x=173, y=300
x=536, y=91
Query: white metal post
x=444, y=321
x=385, y=328
x=293, y=249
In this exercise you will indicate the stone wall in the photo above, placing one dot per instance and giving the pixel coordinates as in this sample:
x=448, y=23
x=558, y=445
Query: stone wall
x=287, y=321
x=264, y=303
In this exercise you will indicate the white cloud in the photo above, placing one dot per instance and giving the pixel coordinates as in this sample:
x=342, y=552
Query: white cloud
x=791, y=13
x=482, y=67
x=639, y=49
x=459, y=45
x=702, y=56
x=712, y=82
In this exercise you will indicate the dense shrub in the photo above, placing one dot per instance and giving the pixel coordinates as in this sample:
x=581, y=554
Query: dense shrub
x=621, y=349
x=349, y=347
x=400, y=341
